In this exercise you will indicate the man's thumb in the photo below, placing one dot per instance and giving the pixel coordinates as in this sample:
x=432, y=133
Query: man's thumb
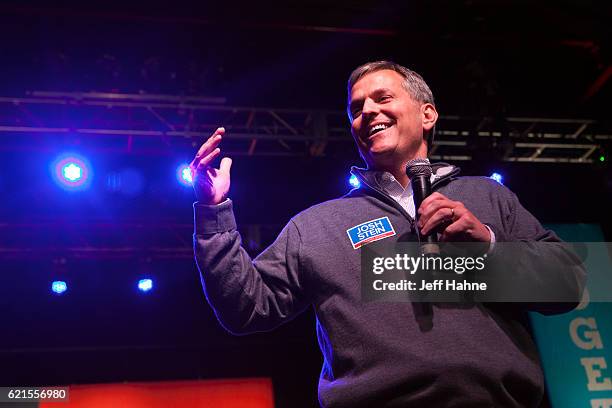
x=226, y=165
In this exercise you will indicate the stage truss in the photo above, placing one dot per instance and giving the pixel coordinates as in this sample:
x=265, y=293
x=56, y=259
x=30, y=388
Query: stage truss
x=161, y=124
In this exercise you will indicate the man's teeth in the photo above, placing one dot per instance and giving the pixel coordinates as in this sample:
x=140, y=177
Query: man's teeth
x=378, y=128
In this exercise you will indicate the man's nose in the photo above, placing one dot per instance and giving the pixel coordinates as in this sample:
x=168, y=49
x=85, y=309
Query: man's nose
x=369, y=107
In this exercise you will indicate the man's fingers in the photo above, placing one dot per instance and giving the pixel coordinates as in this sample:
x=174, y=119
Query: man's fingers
x=453, y=230
x=431, y=205
x=205, y=161
x=427, y=210
x=226, y=165
x=210, y=143
x=205, y=150
x=433, y=197
x=442, y=216
x=219, y=132
x=459, y=230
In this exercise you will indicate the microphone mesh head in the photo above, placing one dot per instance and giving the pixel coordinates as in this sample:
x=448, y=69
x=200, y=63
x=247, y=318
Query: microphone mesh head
x=418, y=167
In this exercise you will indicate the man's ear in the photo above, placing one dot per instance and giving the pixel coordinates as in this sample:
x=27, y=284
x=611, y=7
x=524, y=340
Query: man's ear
x=429, y=115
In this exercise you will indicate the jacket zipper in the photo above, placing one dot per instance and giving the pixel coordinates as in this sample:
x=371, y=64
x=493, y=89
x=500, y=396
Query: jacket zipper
x=389, y=200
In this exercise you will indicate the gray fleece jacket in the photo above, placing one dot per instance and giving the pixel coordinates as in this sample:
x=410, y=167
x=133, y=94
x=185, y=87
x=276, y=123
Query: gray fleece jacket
x=382, y=354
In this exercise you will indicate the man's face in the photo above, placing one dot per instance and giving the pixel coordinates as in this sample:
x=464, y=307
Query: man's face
x=387, y=124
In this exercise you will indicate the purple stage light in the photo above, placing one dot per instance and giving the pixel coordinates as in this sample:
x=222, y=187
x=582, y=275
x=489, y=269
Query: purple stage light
x=59, y=287
x=354, y=181
x=72, y=172
x=184, y=175
x=497, y=177
x=145, y=285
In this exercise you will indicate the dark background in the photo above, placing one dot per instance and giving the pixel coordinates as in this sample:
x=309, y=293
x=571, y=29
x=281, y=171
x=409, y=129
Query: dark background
x=481, y=58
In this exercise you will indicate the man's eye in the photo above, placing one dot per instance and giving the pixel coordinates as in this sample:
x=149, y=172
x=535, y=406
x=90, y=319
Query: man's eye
x=384, y=98
x=356, y=113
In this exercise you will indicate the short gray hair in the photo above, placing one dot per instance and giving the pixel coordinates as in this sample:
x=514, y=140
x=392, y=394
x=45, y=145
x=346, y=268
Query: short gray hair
x=413, y=83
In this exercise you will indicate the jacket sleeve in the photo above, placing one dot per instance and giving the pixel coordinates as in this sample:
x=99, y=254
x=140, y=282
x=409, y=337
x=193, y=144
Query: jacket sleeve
x=247, y=295
x=546, y=269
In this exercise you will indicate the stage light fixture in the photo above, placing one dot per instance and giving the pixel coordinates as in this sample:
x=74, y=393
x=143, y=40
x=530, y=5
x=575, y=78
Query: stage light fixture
x=497, y=177
x=59, y=287
x=184, y=175
x=145, y=285
x=71, y=172
x=354, y=181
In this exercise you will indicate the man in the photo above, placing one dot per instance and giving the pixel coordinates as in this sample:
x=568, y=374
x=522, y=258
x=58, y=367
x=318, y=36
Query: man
x=378, y=354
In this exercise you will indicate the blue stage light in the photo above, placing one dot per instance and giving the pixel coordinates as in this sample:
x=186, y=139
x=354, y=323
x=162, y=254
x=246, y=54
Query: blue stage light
x=59, y=287
x=71, y=172
x=145, y=285
x=354, y=181
x=184, y=175
x=497, y=177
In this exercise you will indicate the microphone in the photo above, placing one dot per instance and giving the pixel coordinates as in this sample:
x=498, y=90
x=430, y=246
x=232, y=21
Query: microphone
x=419, y=172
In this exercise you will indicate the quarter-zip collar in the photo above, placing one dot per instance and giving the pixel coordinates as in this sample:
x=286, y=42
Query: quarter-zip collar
x=369, y=179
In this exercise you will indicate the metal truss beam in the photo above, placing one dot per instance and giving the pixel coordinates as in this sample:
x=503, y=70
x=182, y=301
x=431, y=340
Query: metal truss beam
x=160, y=124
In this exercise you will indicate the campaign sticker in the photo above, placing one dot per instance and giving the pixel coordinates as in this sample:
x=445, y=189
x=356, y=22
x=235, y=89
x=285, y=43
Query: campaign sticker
x=370, y=231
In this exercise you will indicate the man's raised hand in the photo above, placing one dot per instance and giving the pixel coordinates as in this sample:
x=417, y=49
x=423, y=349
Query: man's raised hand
x=211, y=185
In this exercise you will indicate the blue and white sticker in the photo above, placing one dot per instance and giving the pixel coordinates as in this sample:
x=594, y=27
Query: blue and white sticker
x=370, y=231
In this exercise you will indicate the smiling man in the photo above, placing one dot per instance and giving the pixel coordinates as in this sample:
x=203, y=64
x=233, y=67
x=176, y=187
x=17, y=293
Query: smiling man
x=387, y=123
x=393, y=118
x=381, y=354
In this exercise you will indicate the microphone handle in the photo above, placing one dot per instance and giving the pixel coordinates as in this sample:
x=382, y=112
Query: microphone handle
x=421, y=188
